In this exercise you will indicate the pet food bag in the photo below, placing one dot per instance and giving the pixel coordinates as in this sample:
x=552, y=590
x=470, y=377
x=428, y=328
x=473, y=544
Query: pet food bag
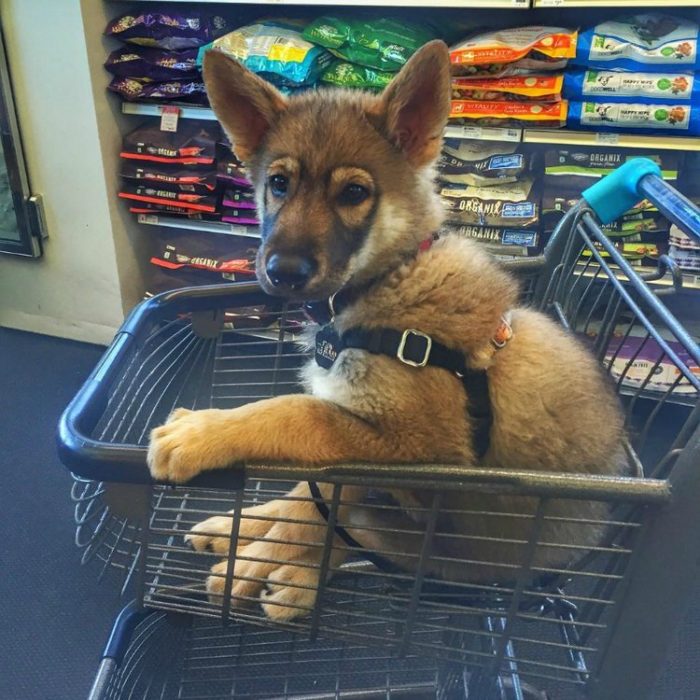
x=503, y=206
x=617, y=86
x=517, y=88
x=276, y=51
x=677, y=118
x=643, y=42
x=482, y=163
x=351, y=75
x=146, y=64
x=200, y=180
x=133, y=90
x=239, y=198
x=168, y=30
x=229, y=169
x=242, y=217
x=547, y=115
x=155, y=209
x=579, y=167
x=514, y=51
x=171, y=196
x=383, y=44
x=497, y=241
x=194, y=143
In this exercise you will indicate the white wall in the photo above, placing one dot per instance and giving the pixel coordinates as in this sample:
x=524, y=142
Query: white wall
x=73, y=291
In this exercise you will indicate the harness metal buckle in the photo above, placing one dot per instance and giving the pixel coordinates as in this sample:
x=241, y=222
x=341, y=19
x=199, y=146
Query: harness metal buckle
x=402, y=346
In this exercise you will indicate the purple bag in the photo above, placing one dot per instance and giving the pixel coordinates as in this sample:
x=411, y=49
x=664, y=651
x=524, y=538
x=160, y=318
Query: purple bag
x=245, y=217
x=168, y=30
x=238, y=198
x=153, y=64
x=192, y=91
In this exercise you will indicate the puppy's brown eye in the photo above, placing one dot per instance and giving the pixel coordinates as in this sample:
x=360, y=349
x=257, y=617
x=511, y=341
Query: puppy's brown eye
x=353, y=195
x=278, y=185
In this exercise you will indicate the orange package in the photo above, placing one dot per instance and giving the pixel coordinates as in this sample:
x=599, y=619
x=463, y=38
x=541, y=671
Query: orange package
x=514, y=51
x=517, y=88
x=510, y=114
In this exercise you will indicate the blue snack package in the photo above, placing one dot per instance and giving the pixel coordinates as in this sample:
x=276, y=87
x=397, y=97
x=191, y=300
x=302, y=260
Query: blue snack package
x=274, y=50
x=617, y=86
x=680, y=119
x=651, y=42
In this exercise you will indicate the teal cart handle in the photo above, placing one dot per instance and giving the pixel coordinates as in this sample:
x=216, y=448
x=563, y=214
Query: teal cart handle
x=618, y=192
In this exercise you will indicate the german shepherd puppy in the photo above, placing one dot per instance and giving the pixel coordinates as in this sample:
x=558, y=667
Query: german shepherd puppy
x=344, y=185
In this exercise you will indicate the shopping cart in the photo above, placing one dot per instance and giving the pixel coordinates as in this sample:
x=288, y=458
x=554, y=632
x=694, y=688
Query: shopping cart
x=601, y=623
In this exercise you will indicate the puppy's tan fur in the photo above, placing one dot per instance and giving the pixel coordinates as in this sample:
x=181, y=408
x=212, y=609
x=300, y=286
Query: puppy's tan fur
x=553, y=410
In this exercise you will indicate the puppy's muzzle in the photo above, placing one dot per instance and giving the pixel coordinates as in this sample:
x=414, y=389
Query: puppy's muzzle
x=288, y=271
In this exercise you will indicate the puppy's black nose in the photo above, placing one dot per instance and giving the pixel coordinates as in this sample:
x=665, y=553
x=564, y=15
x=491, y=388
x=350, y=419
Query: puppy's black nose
x=288, y=270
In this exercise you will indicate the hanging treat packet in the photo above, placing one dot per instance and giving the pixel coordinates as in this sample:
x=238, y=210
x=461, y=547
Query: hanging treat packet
x=618, y=86
x=517, y=88
x=169, y=196
x=190, y=91
x=513, y=51
x=168, y=30
x=679, y=119
x=201, y=180
x=194, y=143
x=382, y=43
x=274, y=50
x=351, y=75
x=514, y=205
x=548, y=115
x=482, y=163
x=644, y=42
x=146, y=64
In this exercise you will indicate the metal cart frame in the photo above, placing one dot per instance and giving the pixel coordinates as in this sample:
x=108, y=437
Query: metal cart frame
x=641, y=572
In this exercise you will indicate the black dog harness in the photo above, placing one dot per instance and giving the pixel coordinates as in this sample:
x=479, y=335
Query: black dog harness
x=415, y=349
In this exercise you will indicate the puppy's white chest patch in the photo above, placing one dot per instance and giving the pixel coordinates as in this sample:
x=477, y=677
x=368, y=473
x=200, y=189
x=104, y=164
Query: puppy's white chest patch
x=340, y=384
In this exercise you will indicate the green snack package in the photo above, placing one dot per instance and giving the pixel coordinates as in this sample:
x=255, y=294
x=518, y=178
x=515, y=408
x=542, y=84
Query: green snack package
x=344, y=74
x=383, y=44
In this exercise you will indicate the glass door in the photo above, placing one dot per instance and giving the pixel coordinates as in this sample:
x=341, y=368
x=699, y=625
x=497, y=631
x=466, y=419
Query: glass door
x=21, y=220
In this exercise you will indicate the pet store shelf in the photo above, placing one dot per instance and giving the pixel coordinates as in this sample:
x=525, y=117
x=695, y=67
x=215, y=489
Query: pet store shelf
x=483, y=133
x=195, y=225
x=561, y=137
x=690, y=280
x=153, y=110
x=565, y=137
x=512, y=4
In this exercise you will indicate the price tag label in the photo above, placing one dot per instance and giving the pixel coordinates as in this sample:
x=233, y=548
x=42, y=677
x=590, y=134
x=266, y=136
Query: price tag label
x=472, y=132
x=549, y=3
x=609, y=138
x=147, y=219
x=169, y=117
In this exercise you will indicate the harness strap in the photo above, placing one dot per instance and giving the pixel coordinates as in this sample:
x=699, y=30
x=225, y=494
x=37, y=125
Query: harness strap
x=419, y=350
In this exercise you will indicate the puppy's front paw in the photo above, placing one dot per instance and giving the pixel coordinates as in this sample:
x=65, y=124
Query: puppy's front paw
x=185, y=445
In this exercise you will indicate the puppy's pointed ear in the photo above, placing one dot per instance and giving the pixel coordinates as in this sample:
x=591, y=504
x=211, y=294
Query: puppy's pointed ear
x=416, y=104
x=245, y=104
